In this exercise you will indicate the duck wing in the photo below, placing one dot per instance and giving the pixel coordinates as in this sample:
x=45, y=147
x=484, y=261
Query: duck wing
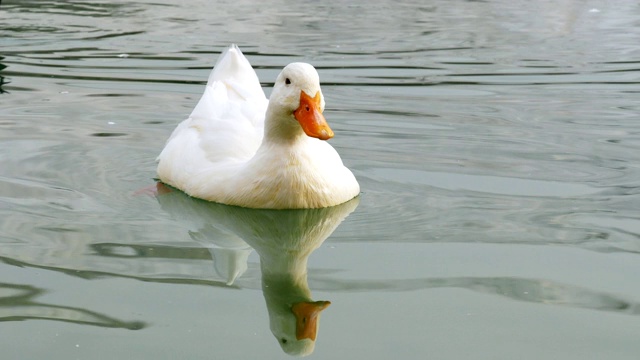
x=227, y=123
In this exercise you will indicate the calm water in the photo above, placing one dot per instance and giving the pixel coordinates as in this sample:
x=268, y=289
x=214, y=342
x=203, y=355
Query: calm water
x=496, y=144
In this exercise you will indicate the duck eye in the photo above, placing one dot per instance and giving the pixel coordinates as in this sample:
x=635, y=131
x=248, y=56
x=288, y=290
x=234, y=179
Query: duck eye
x=287, y=81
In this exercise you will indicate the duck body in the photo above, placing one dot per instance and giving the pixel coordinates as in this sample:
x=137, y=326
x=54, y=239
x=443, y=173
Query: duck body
x=237, y=148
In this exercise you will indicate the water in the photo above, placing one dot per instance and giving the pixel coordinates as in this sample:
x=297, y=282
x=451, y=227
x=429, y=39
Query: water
x=496, y=144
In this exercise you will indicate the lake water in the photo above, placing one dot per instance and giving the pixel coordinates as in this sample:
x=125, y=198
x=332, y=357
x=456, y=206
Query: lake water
x=497, y=145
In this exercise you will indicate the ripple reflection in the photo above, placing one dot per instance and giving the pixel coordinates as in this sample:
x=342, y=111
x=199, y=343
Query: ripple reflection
x=521, y=289
x=17, y=303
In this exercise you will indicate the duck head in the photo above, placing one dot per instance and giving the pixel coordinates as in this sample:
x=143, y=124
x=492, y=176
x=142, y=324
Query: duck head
x=296, y=104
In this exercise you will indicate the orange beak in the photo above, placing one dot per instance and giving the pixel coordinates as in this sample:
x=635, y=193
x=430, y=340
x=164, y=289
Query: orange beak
x=307, y=318
x=310, y=117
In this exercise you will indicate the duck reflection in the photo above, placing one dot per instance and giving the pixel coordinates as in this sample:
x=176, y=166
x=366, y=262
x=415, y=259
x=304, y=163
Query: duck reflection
x=283, y=239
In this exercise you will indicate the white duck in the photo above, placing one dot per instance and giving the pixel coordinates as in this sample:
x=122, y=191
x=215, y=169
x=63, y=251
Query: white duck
x=237, y=148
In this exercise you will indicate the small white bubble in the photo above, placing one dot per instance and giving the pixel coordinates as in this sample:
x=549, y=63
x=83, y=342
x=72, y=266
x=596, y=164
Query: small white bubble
x=111, y=123
x=594, y=10
x=123, y=55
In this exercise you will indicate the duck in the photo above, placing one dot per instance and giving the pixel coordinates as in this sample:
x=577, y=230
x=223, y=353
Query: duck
x=238, y=148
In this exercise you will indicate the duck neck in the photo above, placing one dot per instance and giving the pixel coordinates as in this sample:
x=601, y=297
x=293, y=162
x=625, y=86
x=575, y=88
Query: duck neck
x=281, y=127
x=286, y=273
